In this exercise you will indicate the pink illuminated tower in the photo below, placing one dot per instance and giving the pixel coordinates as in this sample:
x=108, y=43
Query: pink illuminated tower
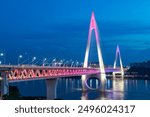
x=93, y=27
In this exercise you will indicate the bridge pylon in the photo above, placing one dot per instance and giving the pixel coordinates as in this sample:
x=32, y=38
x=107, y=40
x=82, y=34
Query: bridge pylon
x=93, y=27
x=121, y=65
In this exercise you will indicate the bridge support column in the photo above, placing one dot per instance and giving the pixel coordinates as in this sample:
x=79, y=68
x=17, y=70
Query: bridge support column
x=4, y=84
x=84, y=96
x=51, y=86
x=83, y=79
x=102, y=81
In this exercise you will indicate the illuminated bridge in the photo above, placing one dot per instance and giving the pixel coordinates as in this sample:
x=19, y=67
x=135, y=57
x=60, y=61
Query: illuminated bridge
x=51, y=74
x=23, y=73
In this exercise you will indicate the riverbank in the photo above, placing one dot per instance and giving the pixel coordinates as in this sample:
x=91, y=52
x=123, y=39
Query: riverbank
x=137, y=77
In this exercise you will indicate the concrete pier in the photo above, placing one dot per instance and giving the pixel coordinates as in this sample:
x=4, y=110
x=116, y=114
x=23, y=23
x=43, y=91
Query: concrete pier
x=4, y=84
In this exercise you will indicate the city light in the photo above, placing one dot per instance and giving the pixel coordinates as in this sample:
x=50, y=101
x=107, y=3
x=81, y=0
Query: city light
x=1, y=54
x=33, y=59
x=20, y=57
x=44, y=60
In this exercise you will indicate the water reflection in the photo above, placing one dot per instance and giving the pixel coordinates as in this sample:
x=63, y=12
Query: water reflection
x=84, y=96
x=71, y=89
x=114, y=89
x=118, y=89
x=146, y=84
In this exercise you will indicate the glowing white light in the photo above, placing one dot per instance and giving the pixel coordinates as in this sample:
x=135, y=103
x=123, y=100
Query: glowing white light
x=20, y=56
x=120, y=60
x=1, y=54
x=93, y=26
x=34, y=58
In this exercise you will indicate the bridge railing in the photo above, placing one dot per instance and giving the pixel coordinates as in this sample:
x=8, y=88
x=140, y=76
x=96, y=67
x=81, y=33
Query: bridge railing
x=30, y=73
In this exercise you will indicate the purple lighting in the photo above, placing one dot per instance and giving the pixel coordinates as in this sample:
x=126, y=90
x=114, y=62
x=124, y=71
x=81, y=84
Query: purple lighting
x=93, y=26
x=120, y=60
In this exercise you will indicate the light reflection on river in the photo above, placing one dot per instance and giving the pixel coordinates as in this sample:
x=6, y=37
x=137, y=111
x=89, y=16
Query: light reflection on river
x=71, y=89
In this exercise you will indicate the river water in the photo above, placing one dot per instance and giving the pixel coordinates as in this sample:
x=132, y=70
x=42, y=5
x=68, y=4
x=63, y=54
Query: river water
x=71, y=89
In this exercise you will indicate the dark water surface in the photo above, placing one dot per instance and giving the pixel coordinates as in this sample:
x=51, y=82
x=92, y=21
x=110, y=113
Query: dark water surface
x=71, y=89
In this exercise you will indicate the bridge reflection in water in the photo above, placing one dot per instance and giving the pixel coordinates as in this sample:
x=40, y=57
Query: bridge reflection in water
x=71, y=89
x=115, y=89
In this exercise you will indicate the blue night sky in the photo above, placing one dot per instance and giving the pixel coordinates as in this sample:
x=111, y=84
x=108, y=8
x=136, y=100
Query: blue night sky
x=59, y=28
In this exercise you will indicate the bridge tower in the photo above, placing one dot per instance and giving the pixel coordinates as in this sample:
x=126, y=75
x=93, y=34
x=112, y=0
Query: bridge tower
x=115, y=62
x=93, y=27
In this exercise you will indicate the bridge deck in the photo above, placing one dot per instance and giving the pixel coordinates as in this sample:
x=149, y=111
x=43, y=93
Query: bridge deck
x=22, y=73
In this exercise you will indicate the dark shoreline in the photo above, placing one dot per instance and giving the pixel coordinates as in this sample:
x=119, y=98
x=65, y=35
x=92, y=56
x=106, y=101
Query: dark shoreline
x=133, y=77
x=138, y=78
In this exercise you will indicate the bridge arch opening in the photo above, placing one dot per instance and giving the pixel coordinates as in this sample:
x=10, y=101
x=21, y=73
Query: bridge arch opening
x=93, y=83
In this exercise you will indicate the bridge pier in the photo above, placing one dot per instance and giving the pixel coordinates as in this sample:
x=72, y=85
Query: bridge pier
x=102, y=81
x=4, y=84
x=84, y=96
x=51, y=87
x=83, y=79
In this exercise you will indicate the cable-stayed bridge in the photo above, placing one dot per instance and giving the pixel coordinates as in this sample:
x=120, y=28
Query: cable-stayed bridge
x=10, y=73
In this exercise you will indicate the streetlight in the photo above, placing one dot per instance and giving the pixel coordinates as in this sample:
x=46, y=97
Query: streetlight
x=53, y=62
x=34, y=58
x=72, y=63
x=66, y=64
x=3, y=55
x=0, y=62
x=77, y=63
x=26, y=58
x=19, y=57
x=44, y=61
x=60, y=63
